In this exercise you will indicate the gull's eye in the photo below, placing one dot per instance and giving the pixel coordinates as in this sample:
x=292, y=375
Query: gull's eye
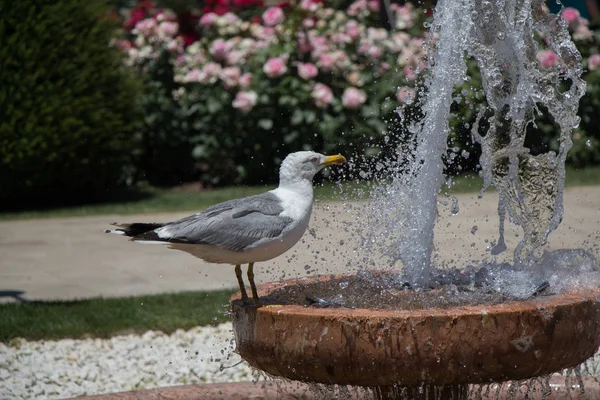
x=314, y=159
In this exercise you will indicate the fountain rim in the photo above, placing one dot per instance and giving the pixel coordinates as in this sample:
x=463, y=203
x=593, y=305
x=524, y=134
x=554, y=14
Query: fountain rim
x=531, y=304
x=511, y=340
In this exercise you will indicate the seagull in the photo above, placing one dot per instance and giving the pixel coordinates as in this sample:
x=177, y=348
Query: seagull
x=246, y=230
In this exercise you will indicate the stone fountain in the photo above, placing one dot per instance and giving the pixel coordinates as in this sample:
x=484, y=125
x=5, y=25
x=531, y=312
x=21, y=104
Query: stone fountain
x=436, y=352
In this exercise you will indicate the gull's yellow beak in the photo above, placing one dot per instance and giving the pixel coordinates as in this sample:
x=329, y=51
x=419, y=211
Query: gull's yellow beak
x=329, y=160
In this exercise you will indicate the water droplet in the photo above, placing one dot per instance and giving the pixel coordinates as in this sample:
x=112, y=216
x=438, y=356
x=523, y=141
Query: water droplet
x=454, y=209
x=588, y=143
x=501, y=35
x=426, y=25
x=343, y=285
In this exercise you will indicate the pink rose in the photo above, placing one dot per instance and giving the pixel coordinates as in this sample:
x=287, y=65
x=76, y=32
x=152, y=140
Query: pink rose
x=303, y=46
x=404, y=18
x=174, y=46
x=194, y=75
x=353, y=97
x=340, y=59
x=307, y=70
x=166, y=15
x=245, y=101
x=234, y=57
x=373, y=6
x=409, y=73
x=146, y=27
x=273, y=16
x=230, y=76
x=374, y=52
x=230, y=19
x=268, y=32
x=594, y=62
x=341, y=38
x=208, y=19
x=322, y=95
x=353, y=30
x=168, y=28
x=383, y=67
x=220, y=48
x=326, y=61
x=319, y=45
x=571, y=15
x=357, y=7
x=547, y=58
x=308, y=23
x=212, y=70
x=275, y=67
x=582, y=32
x=245, y=80
x=405, y=95
x=309, y=5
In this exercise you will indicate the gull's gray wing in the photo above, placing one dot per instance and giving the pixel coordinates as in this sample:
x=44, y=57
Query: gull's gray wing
x=234, y=225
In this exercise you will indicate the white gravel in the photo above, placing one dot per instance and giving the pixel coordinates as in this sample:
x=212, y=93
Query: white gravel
x=68, y=368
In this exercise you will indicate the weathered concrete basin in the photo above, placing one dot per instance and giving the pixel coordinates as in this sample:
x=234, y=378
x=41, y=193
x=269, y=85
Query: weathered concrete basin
x=441, y=347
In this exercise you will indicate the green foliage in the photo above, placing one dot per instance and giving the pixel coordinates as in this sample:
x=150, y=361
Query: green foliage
x=67, y=103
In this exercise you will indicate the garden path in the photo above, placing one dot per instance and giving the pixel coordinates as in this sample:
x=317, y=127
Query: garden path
x=68, y=258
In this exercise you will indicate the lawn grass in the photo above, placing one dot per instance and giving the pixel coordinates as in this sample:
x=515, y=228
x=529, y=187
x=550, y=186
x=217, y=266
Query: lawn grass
x=105, y=317
x=152, y=200
x=147, y=200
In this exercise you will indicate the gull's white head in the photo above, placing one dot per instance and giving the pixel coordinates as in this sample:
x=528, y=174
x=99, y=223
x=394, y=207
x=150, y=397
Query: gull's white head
x=304, y=165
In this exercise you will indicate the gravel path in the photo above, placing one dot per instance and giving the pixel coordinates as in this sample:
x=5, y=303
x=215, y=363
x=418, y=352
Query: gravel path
x=69, y=368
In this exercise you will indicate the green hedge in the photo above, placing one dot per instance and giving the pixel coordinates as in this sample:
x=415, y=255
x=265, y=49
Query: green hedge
x=67, y=105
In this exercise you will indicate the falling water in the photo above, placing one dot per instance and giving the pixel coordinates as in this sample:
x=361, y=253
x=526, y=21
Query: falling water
x=499, y=35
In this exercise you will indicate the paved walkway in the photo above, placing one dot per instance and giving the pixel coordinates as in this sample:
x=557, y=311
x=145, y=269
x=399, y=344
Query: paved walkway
x=70, y=258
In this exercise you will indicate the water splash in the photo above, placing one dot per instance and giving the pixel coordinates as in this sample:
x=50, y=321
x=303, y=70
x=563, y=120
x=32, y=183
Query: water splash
x=530, y=187
x=500, y=36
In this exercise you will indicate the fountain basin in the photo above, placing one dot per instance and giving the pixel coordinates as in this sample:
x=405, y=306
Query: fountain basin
x=373, y=347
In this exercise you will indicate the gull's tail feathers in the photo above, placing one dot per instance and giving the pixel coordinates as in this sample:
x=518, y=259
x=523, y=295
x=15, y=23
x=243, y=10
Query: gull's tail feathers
x=134, y=229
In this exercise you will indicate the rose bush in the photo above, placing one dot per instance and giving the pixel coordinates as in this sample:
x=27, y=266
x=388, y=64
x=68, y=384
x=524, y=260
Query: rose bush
x=293, y=76
x=239, y=85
